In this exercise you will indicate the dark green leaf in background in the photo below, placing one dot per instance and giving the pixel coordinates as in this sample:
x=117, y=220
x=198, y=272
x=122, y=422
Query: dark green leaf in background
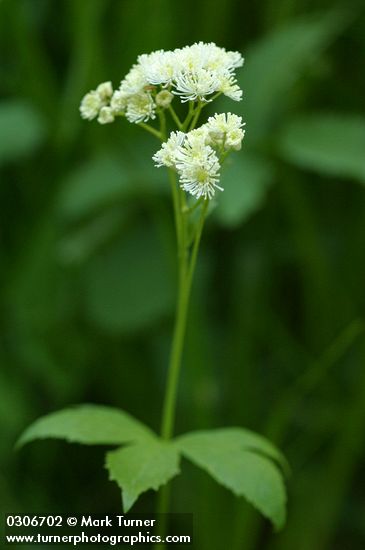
x=22, y=129
x=245, y=180
x=331, y=144
x=129, y=285
x=274, y=64
x=81, y=242
x=106, y=179
x=94, y=184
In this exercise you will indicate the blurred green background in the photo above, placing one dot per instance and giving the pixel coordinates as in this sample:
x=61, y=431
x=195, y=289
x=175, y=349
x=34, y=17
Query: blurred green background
x=275, y=336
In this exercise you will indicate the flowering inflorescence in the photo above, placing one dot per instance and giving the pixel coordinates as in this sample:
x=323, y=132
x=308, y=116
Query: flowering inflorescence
x=196, y=75
x=196, y=155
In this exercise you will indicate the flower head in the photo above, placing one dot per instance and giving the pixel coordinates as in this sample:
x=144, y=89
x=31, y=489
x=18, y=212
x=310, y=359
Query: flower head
x=140, y=108
x=208, y=56
x=90, y=105
x=195, y=156
x=106, y=115
x=193, y=73
x=225, y=130
x=164, y=98
x=118, y=102
x=199, y=172
x=158, y=67
x=94, y=101
x=166, y=155
x=194, y=85
x=197, y=165
x=196, y=162
x=134, y=82
x=105, y=90
x=228, y=86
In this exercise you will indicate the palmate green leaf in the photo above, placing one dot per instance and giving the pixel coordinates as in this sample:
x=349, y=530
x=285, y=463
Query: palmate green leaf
x=243, y=462
x=237, y=438
x=22, y=129
x=129, y=285
x=330, y=144
x=239, y=459
x=274, y=65
x=246, y=180
x=89, y=425
x=142, y=466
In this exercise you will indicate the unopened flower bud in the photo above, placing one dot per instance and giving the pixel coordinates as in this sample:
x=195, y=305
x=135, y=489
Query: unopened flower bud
x=106, y=115
x=90, y=105
x=105, y=90
x=164, y=98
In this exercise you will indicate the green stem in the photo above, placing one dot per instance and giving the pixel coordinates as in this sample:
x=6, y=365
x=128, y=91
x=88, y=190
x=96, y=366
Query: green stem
x=191, y=209
x=186, y=273
x=189, y=116
x=194, y=253
x=187, y=269
x=161, y=116
x=196, y=116
x=179, y=219
x=151, y=130
x=176, y=119
x=186, y=266
x=212, y=99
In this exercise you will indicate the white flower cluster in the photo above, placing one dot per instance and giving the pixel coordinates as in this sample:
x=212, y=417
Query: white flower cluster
x=192, y=73
x=96, y=104
x=196, y=155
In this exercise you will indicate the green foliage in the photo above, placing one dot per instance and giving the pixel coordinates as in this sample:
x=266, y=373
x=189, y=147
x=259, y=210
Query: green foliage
x=238, y=459
x=22, y=130
x=143, y=466
x=89, y=425
x=246, y=180
x=272, y=68
x=234, y=439
x=275, y=63
x=82, y=193
x=127, y=290
x=241, y=460
x=330, y=144
x=81, y=242
x=273, y=295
